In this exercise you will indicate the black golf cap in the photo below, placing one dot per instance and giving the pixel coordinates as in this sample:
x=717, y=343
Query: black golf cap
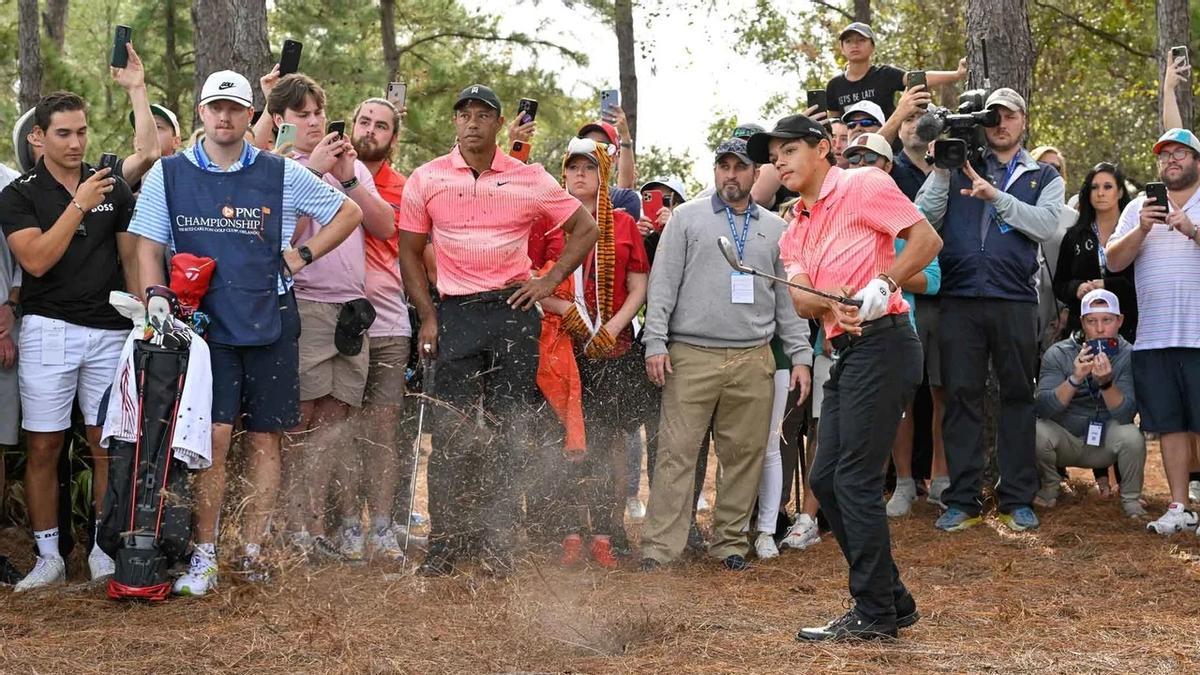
x=354, y=318
x=478, y=92
x=792, y=126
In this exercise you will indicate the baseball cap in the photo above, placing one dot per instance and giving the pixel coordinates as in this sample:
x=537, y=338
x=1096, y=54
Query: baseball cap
x=582, y=147
x=1007, y=98
x=162, y=112
x=672, y=183
x=228, y=86
x=603, y=127
x=869, y=107
x=478, y=92
x=735, y=147
x=873, y=142
x=860, y=28
x=1099, y=295
x=747, y=130
x=21, y=147
x=792, y=126
x=354, y=318
x=1180, y=136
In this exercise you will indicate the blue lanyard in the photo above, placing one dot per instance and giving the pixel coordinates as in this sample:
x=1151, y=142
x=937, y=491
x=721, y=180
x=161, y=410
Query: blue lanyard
x=1100, y=250
x=1003, y=187
x=740, y=243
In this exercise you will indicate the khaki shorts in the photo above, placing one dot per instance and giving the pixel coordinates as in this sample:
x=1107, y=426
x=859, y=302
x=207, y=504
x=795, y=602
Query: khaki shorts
x=385, y=378
x=324, y=371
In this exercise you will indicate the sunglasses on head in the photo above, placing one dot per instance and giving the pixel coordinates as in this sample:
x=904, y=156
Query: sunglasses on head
x=864, y=123
x=867, y=157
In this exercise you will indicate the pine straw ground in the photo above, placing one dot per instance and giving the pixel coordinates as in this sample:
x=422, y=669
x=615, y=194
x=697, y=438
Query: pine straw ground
x=1089, y=592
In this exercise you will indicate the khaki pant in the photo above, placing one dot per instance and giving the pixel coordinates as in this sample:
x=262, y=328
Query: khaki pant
x=1123, y=444
x=733, y=389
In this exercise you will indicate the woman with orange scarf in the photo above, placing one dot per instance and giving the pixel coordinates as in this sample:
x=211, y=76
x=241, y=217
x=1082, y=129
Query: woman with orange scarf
x=606, y=293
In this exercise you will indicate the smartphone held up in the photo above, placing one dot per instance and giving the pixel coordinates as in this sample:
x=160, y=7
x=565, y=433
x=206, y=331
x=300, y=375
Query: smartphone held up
x=120, y=55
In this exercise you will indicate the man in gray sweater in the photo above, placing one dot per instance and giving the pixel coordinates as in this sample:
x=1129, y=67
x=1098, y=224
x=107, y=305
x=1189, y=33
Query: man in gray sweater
x=707, y=337
x=1085, y=405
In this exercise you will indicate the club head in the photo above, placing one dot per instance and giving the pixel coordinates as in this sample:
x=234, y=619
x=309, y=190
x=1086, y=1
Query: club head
x=730, y=254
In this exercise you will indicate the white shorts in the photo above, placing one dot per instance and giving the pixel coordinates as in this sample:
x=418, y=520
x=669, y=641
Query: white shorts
x=59, y=361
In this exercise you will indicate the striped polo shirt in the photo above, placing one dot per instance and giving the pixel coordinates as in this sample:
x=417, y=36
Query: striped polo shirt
x=480, y=225
x=847, y=237
x=303, y=195
x=1167, y=280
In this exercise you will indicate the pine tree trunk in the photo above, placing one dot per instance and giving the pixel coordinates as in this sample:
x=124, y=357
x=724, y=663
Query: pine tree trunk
x=30, y=53
x=387, y=28
x=55, y=17
x=231, y=35
x=862, y=11
x=1005, y=26
x=174, y=88
x=1174, y=29
x=626, y=62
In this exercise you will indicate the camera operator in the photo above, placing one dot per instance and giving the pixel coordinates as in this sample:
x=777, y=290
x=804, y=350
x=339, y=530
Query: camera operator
x=991, y=225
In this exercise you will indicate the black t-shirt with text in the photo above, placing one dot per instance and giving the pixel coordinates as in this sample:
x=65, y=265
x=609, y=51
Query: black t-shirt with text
x=880, y=84
x=76, y=288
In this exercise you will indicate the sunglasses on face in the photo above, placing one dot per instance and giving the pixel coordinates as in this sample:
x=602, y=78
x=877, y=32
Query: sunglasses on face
x=865, y=158
x=865, y=123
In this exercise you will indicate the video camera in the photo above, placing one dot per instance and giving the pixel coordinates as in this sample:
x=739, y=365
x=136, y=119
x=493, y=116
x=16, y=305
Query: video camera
x=958, y=137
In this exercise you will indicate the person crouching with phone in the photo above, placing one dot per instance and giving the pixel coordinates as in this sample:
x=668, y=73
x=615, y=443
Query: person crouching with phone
x=1086, y=403
x=842, y=240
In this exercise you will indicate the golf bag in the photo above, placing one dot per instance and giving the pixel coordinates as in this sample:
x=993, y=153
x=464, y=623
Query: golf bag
x=147, y=518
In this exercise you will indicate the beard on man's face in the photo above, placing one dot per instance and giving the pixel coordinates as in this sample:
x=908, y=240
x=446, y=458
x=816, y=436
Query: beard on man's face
x=370, y=151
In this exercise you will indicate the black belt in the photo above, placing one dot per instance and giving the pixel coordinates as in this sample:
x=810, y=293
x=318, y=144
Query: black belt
x=844, y=341
x=501, y=295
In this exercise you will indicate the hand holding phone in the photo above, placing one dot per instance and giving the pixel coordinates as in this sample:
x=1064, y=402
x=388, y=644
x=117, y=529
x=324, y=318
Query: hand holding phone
x=609, y=99
x=653, y=201
x=1180, y=52
x=526, y=110
x=1108, y=346
x=285, y=140
x=396, y=93
x=289, y=57
x=915, y=78
x=520, y=150
x=120, y=55
x=338, y=127
x=818, y=98
x=107, y=161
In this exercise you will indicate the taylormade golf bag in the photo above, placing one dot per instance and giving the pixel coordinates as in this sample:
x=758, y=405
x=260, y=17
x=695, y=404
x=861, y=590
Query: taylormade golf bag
x=147, y=518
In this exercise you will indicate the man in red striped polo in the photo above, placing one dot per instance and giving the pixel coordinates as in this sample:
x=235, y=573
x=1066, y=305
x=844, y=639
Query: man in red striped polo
x=842, y=240
x=477, y=205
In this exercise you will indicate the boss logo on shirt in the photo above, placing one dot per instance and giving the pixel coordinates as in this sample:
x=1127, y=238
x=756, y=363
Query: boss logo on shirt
x=105, y=207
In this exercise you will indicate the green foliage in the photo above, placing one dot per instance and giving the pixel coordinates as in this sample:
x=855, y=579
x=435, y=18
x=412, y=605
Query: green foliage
x=657, y=162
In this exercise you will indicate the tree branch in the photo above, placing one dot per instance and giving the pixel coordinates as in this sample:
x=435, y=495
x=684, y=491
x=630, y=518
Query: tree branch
x=1102, y=34
x=839, y=10
x=491, y=37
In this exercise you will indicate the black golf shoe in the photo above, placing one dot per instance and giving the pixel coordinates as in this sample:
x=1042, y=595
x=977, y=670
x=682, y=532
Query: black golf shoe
x=851, y=626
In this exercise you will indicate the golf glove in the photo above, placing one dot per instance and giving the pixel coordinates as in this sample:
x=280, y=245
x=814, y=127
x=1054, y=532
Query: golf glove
x=874, y=296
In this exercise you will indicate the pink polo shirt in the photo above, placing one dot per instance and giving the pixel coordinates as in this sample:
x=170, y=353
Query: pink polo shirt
x=480, y=225
x=339, y=275
x=848, y=237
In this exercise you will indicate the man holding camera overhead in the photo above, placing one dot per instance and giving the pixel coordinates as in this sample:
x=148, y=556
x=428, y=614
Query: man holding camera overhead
x=992, y=214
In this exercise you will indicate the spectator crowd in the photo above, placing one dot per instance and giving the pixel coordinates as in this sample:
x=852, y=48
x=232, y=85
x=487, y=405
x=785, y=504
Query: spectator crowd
x=550, y=326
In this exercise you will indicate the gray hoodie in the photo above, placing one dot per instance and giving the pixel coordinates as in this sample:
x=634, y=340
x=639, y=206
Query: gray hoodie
x=1058, y=364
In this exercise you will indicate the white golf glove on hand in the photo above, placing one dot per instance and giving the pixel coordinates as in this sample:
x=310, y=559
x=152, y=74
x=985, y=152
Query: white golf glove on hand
x=874, y=296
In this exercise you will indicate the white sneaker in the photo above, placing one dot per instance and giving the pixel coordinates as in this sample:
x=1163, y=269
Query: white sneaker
x=413, y=539
x=100, y=564
x=200, y=578
x=635, y=509
x=46, y=572
x=764, y=546
x=803, y=534
x=384, y=543
x=1176, y=519
x=936, y=487
x=902, y=498
x=1194, y=491
x=702, y=503
x=354, y=543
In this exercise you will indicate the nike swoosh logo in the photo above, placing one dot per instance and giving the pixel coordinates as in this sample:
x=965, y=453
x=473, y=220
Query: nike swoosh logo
x=502, y=182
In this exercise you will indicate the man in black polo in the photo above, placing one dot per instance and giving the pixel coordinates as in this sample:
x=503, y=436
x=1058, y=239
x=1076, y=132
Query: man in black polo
x=65, y=223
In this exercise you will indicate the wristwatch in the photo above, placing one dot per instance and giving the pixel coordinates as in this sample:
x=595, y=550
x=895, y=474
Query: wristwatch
x=16, y=307
x=305, y=254
x=1107, y=385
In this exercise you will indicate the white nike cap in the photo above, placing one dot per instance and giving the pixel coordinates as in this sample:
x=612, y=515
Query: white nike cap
x=227, y=85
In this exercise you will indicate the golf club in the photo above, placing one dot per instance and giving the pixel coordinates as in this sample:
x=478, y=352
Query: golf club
x=727, y=250
x=430, y=369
